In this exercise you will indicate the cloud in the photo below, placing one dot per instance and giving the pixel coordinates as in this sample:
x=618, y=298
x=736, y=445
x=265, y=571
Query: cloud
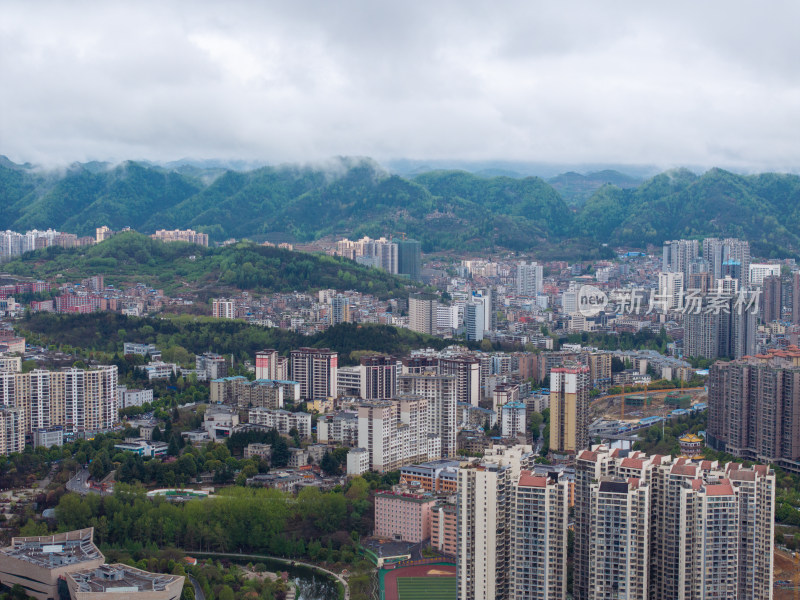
x=671, y=84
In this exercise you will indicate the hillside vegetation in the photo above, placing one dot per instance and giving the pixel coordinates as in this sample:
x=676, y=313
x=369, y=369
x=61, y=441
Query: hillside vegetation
x=447, y=210
x=106, y=332
x=136, y=258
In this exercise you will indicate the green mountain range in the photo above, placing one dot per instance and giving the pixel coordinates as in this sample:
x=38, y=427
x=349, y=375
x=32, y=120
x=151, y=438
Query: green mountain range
x=571, y=215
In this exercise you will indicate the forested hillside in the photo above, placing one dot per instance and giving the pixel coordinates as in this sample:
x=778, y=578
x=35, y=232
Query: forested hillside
x=446, y=210
x=106, y=332
x=133, y=258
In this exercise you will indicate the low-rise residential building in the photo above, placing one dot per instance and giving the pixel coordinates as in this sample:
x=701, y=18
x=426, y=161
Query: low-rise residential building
x=357, y=461
x=470, y=416
x=210, y=366
x=48, y=437
x=160, y=370
x=514, y=420
x=405, y=517
x=240, y=392
x=219, y=421
x=126, y=397
x=141, y=350
x=298, y=457
x=282, y=420
x=436, y=476
x=263, y=451
x=143, y=448
x=444, y=529
x=181, y=235
x=12, y=364
x=340, y=428
x=316, y=452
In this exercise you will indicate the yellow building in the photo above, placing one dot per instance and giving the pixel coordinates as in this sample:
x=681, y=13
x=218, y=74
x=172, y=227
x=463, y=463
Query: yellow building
x=569, y=409
x=691, y=445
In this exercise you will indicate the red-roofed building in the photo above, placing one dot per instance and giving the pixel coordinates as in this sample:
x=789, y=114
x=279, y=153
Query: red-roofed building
x=698, y=541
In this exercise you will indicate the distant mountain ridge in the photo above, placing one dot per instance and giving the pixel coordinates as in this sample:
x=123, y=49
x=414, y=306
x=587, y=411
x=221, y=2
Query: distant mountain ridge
x=570, y=215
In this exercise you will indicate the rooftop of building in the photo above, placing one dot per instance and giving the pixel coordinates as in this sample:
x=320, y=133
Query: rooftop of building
x=120, y=578
x=407, y=497
x=529, y=479
x=54, y=551
x=614, y=487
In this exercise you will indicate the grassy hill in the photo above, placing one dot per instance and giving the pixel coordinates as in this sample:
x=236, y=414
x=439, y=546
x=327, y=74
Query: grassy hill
x=133, y=258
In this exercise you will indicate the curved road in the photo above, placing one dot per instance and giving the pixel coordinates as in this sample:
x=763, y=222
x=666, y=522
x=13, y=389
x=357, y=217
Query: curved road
x=198, y=591
x=288, y=561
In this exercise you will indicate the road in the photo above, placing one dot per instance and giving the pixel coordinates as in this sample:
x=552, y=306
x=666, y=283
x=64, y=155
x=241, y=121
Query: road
x=287, y=561
x=537, y=447
x=78, y=484
x=198, y=591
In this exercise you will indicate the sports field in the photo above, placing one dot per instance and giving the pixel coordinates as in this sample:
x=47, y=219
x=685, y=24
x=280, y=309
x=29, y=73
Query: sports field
x=423, y=582
x=426, y=588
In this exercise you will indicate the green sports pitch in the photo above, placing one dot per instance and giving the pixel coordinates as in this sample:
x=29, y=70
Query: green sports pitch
x=426, y=588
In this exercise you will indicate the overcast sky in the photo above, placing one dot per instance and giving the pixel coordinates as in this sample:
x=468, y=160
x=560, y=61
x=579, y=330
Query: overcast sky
x=667, y=83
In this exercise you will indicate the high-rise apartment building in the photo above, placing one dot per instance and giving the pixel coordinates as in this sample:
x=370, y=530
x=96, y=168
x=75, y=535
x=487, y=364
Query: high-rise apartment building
x=729, y=255
x=223, y=309
x=670, y=290
x=12, y=430
x=474, y=325
x=529, y=278
x=663, y=528
x=731, y=332
x=754, y=408
x=467, y=371
x=771, y=300
x=619, y=551
x=409, y=259
x=378, y=377
x=395, y=433
x=759, y=271
x=488, y=298
x=538, y=530
x=569, y=300
x=76, y=399
x=422, y=313
x=599, y=368
x=316, y=372
x=271, y=366
x=512, y=528
x=440, y=391
x=569, y=408
x=340, y=309
x=678, y=255
x=796, y=297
